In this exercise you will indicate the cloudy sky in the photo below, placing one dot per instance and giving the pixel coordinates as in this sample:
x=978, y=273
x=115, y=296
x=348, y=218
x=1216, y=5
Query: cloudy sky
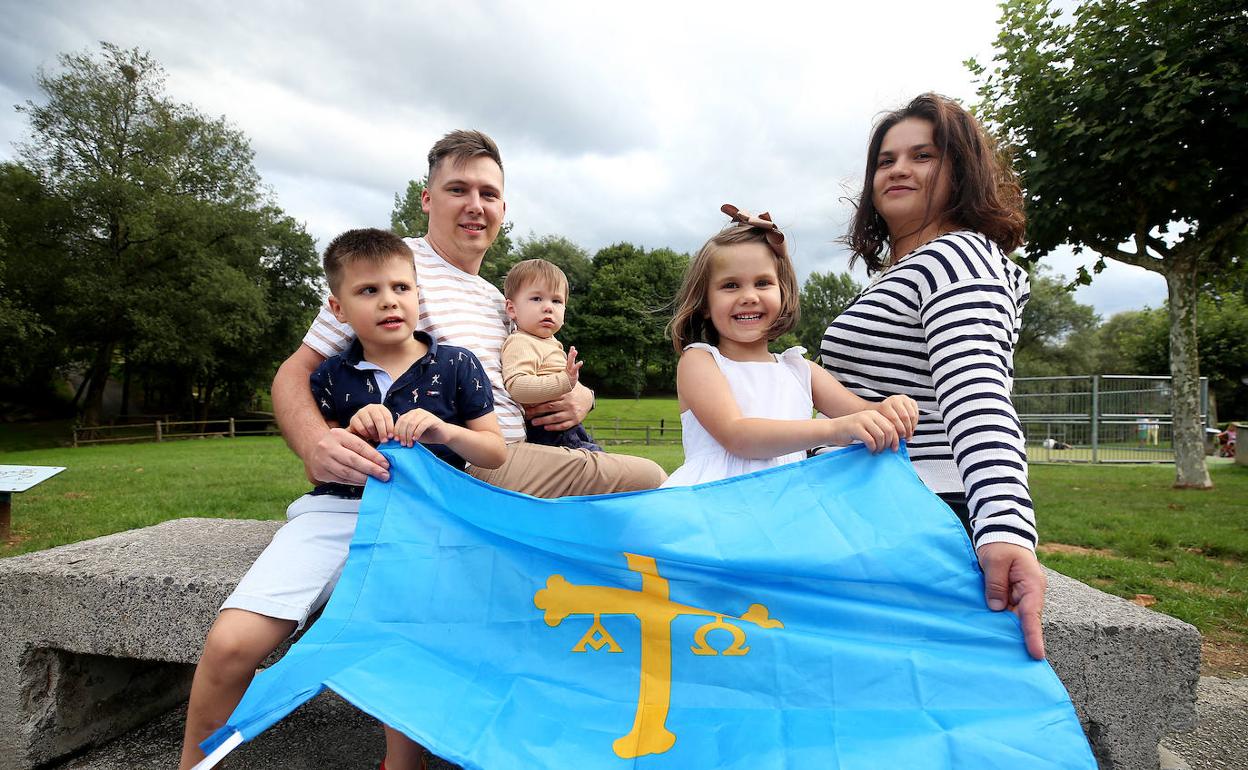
x=617, y=121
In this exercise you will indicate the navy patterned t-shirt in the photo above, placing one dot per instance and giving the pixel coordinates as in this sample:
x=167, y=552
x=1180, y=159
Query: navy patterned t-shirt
x=448, y=382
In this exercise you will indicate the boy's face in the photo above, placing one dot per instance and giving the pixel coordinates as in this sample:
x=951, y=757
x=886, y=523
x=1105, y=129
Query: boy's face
x=537, y=309
x=380, y=301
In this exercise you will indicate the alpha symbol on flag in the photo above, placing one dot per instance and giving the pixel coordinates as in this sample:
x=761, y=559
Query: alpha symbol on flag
x=655, y=610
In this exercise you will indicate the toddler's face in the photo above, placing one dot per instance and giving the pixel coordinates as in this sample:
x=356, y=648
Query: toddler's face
x=537, y=310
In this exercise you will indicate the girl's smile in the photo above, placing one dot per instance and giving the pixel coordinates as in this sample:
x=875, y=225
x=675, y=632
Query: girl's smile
x=743, y=300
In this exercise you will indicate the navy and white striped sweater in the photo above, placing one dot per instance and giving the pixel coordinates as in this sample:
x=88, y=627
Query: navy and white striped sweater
x=940, y=326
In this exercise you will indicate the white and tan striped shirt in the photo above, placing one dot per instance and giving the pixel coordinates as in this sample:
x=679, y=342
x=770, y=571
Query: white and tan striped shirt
x=456, y=308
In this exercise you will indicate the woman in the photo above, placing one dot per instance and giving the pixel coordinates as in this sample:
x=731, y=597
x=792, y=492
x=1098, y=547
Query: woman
x=939, y=209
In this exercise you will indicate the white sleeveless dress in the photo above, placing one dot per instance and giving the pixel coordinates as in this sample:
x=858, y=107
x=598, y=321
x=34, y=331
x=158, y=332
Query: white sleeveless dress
x=778, y=390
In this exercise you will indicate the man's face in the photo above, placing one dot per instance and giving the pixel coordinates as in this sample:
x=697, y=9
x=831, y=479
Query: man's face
x=465, y=205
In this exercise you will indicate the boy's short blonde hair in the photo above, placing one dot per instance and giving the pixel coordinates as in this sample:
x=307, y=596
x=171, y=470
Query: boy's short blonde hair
x=369, y=245
x=537, y=271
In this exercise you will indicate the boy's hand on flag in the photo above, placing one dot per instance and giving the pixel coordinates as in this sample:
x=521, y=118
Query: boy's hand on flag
x=374, y=423
x=423, y=426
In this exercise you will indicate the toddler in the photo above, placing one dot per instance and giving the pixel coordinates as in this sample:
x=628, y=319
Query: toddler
x=535, y=368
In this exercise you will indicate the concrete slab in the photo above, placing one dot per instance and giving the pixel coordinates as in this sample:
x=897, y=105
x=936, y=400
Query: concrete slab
x=1130, y=672
x=100, y=636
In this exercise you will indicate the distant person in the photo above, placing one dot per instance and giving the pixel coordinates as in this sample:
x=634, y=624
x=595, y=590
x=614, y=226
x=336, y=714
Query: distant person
x=940, y=208
x=392, y=382
x=743, y=408
x=464, y=201
x=535, y=367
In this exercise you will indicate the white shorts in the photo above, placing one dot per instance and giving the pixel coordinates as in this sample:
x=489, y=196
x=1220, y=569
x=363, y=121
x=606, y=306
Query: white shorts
x=295, y=574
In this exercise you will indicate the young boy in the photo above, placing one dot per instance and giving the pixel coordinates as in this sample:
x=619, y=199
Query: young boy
x=392, y=383
x=535, y=368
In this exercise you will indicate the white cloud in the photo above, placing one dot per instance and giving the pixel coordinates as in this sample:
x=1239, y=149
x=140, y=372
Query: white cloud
x=617, y=121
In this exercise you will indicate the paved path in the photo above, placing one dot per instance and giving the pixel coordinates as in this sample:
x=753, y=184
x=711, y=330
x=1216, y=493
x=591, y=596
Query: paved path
x=1220, y=740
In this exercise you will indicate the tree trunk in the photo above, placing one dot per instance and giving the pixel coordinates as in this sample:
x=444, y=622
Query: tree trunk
x=1189, y=431
x=99, y=379
x=125, y=385
x=82, y=387
x=205, y=393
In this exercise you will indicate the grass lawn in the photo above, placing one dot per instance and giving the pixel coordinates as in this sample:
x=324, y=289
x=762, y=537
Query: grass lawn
x=649, y=409
x=1120, y=528
x=1124, y=530
x=17, y=436
x=111, y=488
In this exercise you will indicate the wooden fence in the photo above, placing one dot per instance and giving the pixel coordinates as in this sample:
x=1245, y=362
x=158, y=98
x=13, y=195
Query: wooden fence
x=612, y=431
x=168, y=430
x=618, y=431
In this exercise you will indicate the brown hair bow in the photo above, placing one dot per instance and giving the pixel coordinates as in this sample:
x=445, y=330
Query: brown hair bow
x=775, y=238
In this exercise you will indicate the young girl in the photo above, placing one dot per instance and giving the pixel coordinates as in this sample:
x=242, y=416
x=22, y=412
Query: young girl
x=742, y=407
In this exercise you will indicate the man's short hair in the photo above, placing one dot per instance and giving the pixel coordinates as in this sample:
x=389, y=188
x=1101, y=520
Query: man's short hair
x=369, y=245
x=460, y=146
x=538, y=271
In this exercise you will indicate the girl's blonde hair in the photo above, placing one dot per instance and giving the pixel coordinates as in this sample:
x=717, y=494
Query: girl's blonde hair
x=690, y=322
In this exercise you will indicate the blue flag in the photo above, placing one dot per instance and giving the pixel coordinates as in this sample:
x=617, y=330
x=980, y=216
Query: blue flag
x=823, y=614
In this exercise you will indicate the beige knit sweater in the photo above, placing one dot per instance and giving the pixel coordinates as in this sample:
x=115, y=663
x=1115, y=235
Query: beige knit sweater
x=534, y=369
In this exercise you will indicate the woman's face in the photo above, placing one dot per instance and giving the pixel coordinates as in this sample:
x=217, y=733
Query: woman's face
x=911, y=184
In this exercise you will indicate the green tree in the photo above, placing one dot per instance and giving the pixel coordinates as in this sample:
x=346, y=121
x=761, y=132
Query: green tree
x=576, y=265
x=1223, y=330
x=1127, y=343
x=1125, y=118
x=34, y=339
x=165, y=247
x=211, y=331
x=824, y=296
x=1141, y=340
x=409, y=220
x=572, y=259
x=621, y=320
x=1054, y=330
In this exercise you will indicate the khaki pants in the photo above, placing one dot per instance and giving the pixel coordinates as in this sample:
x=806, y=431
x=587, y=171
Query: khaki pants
x=548, y=471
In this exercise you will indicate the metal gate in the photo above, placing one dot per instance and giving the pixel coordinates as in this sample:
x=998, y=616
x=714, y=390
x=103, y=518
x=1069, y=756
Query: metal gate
x=1099, y=418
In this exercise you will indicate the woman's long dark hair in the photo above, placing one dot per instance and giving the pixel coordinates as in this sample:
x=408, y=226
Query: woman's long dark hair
x=984, y=192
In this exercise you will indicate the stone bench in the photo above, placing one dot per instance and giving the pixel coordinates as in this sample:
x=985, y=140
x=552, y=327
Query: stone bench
x=98, y=637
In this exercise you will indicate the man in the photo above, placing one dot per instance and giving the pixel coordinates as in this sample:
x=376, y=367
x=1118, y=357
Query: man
x=464, y=201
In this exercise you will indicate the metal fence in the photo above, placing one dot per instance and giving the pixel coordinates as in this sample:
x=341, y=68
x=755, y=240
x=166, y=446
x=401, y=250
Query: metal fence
x=1102, y=418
